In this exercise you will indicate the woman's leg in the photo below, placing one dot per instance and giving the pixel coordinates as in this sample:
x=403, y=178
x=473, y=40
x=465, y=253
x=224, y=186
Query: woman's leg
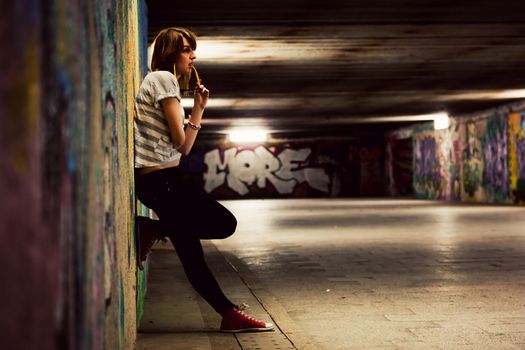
x=187, y=215
x=192, y=212
x=189, y=250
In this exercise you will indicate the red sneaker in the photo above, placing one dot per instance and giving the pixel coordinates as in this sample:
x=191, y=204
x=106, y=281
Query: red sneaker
x=234, y=320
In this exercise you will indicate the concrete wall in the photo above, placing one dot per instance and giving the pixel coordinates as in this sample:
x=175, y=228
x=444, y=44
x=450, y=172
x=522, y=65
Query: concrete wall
x=479, y=158
x=303, y=167
x=69, y=72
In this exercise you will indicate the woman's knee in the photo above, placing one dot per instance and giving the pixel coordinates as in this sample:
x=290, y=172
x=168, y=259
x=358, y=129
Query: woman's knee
x=228, y=225
x=225, y=226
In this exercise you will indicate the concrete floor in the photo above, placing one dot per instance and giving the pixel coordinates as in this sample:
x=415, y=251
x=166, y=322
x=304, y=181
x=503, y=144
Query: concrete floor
x=354, y=274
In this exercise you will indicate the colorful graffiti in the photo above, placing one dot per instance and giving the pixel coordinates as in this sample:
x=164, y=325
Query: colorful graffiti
x=471, y=160
x=28, y=246
x=69, y=146
x=517, y=156
x=481, y=158
x=306, y=168
x=495, y=158
x=427, y=169
x=241, y=168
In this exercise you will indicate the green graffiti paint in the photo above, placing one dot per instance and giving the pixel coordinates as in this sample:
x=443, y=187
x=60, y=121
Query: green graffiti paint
x=481, y=158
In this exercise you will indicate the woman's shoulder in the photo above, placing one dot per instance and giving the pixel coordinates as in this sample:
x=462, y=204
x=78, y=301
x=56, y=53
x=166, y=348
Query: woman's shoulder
x=158, y=85
x=160, y=79
x=160, y=75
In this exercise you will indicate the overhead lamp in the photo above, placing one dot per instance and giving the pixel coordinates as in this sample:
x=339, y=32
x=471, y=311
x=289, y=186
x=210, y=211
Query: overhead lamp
x=248, y=135
x=441, y=121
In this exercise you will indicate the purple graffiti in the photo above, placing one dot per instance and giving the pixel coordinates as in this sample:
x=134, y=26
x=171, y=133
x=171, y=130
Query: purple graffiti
x=495, y=154
x=520, y=146
x=427, y=168
x=426, y=160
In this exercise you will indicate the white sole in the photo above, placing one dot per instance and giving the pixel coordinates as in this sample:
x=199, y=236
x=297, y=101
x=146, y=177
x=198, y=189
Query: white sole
x=267, y=329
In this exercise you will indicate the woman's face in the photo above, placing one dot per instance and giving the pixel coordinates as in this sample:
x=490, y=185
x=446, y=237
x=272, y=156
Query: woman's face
x=185, y=60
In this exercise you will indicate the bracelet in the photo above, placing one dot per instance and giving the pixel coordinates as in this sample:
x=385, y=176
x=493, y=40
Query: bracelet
x=193, y=126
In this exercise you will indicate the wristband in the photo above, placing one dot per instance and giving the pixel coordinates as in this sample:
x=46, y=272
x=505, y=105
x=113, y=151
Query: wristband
x=194, y=126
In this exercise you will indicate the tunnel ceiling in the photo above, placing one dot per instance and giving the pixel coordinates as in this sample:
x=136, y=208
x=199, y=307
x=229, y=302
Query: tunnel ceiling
x=333, y=65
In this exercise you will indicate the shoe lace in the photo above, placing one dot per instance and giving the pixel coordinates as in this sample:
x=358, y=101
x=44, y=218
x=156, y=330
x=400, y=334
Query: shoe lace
x=243, y=306
x=240, y=310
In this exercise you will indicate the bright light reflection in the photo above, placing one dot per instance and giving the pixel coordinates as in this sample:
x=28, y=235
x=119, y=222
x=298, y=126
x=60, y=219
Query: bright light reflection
x=487, y=95
x=150, y=54
x=247, y=135
x=228, y=50
x=441, y=121
x=511, y=94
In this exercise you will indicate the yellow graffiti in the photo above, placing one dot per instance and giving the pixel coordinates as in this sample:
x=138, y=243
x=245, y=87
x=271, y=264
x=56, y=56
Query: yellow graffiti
x=515, y=134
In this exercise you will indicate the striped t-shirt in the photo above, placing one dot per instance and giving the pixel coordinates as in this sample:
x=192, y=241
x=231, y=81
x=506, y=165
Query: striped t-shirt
x=153, y=144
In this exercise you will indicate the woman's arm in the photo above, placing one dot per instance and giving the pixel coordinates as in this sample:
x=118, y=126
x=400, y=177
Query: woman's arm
x=183, y=139
x=172, y=113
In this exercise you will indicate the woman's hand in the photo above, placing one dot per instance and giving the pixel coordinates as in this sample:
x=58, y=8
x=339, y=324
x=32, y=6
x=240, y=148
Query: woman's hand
x=200, y=97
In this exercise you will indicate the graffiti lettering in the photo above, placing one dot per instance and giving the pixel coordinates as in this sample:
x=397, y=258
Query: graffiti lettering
x=240, y=169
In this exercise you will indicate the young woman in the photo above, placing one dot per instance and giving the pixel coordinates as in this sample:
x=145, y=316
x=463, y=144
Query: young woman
x=186, y=213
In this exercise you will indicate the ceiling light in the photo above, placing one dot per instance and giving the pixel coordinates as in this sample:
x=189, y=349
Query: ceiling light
x=441, y=121
x=519, y=93
x=485, y=95
x=248, y=135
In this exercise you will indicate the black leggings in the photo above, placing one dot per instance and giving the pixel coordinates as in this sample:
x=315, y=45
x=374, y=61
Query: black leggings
x=187, y=214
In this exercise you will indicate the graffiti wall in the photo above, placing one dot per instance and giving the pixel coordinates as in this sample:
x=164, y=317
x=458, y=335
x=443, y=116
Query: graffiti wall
x=69, y=74
x=479, y=158
x=307, y=168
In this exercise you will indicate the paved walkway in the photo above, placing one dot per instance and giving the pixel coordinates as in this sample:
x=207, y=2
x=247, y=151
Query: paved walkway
x=354, y=274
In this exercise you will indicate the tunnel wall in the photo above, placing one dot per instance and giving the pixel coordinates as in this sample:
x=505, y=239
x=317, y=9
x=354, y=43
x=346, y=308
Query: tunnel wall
x=304, y=167
x=69, y=72
x=479, y=158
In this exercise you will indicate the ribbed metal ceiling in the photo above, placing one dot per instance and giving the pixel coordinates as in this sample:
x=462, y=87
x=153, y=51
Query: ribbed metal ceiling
x=327, y=65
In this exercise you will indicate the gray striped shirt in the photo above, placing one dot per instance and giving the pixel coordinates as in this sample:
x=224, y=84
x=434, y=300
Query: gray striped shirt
x=153, y=144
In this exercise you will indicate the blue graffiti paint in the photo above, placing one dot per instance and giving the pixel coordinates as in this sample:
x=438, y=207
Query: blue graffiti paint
x=427, y=169
x=521, y=158
x=495, y=156
x=520, y=146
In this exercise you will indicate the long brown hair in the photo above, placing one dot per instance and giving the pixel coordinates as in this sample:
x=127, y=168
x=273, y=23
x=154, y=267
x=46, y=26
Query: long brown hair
x=168, y=46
